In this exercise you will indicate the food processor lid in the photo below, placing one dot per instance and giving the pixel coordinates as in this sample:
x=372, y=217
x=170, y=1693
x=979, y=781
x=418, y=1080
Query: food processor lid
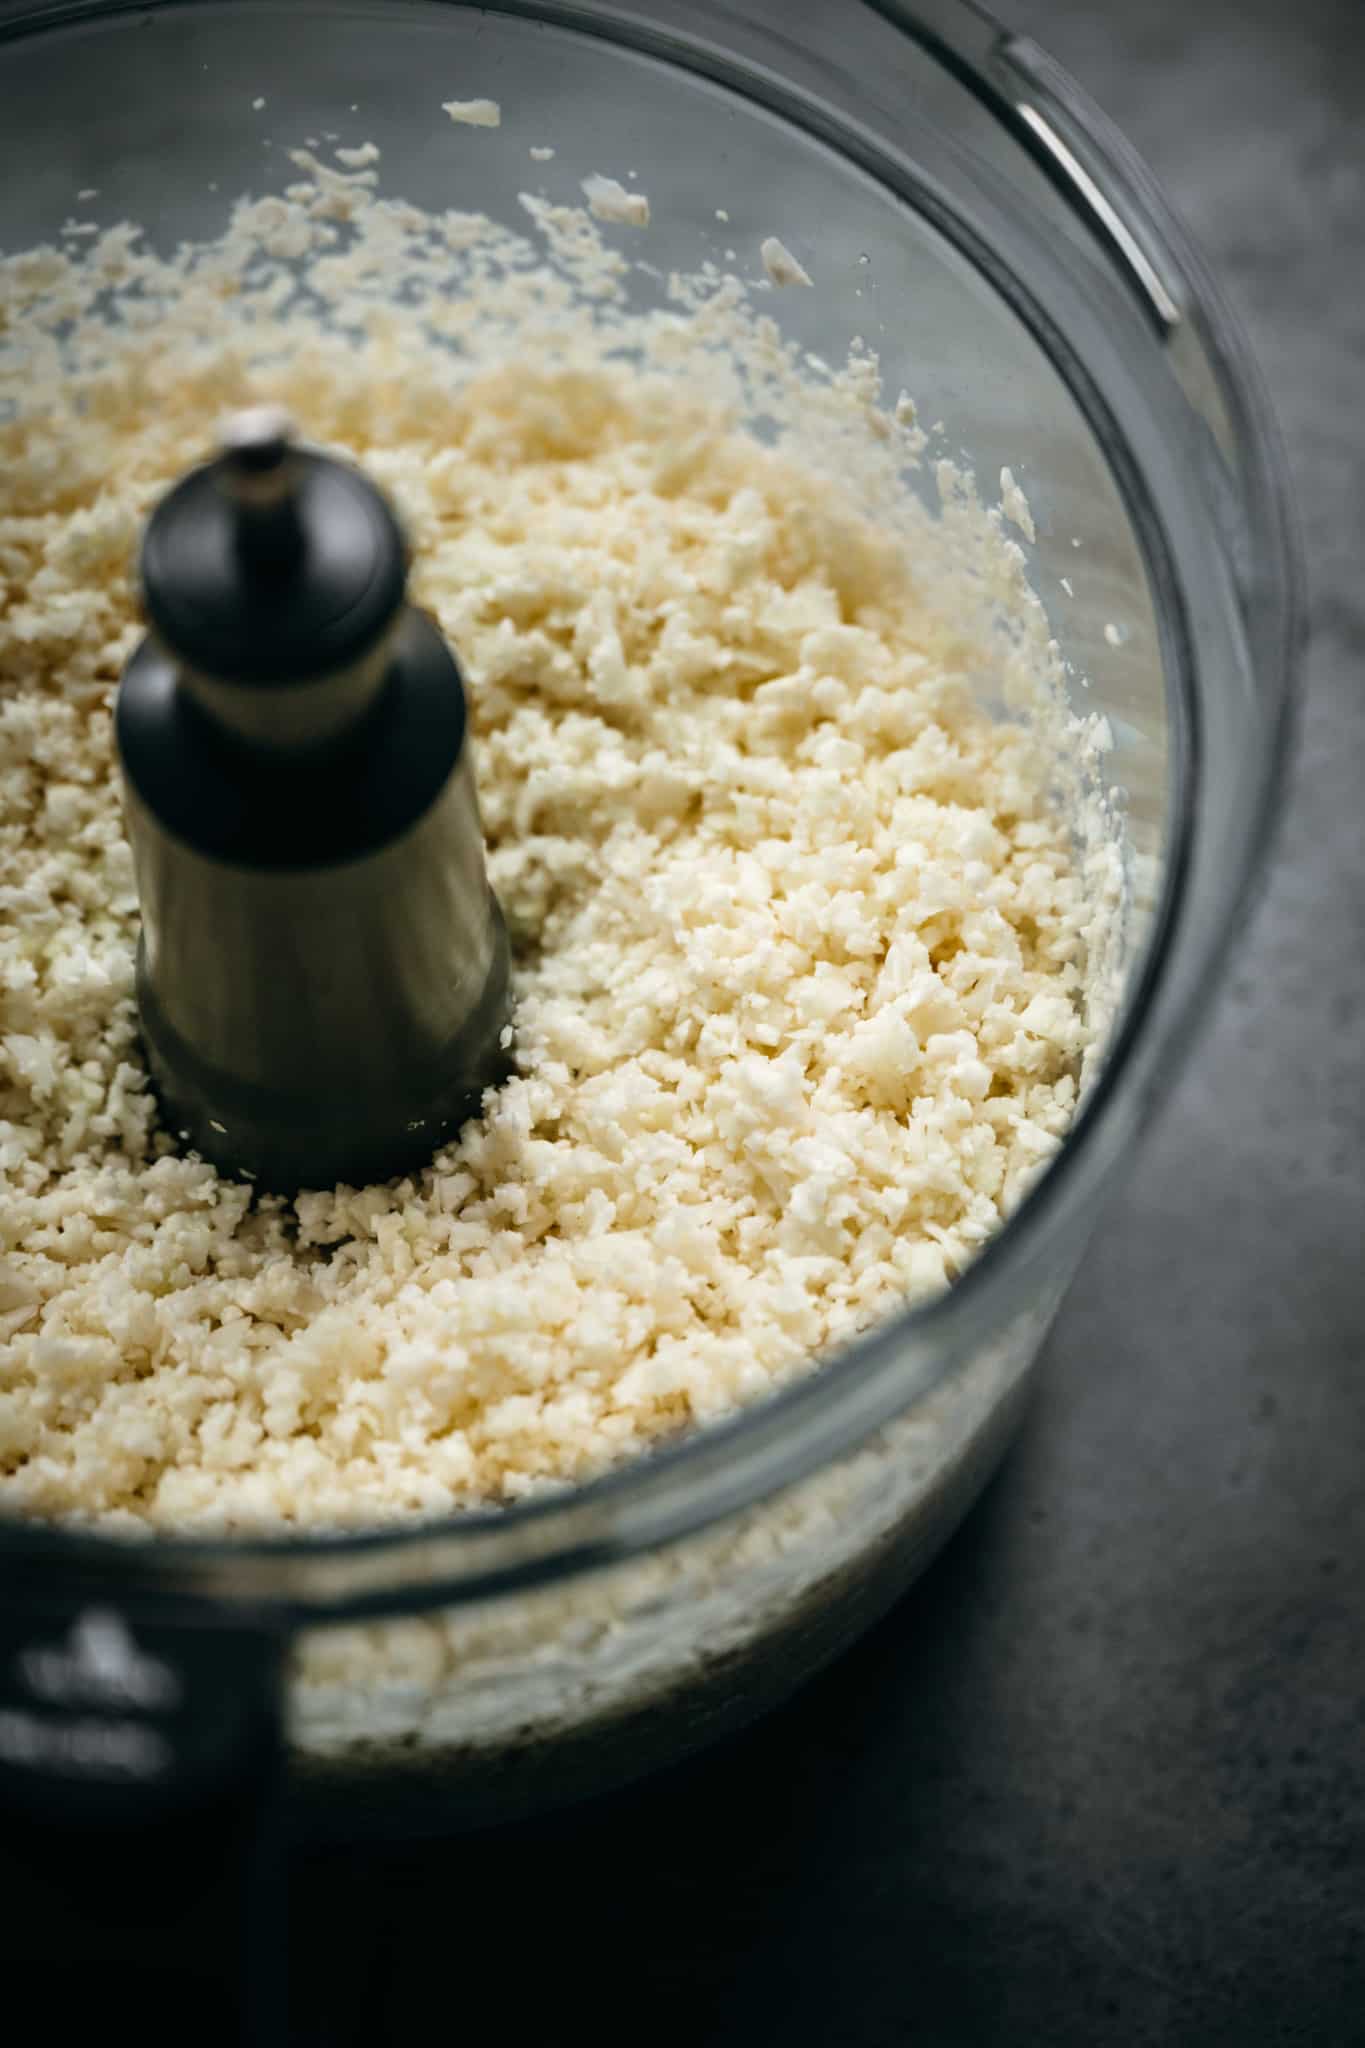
x=272, y=564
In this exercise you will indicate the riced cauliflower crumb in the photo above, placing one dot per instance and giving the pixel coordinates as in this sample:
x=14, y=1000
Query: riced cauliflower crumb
x=802, y=943
x=357, y=159
x=1015, y=505
x=473, y=113
x=609, y=200
x=781, y=266
x=542, y=152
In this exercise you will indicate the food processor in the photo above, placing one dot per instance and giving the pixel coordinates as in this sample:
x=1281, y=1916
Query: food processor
x=963, y=212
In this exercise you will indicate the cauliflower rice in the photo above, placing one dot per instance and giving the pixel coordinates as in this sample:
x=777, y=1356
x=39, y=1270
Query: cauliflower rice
x=804, y=942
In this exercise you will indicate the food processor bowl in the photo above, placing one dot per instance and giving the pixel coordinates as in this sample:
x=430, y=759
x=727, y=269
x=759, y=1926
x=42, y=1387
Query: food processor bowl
x=966, y=214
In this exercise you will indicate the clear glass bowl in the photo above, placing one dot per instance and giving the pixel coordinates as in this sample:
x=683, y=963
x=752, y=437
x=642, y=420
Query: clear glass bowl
x=978, y=222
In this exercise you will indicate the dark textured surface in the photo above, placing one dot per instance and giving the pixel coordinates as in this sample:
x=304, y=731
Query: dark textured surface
x=1100, y=1782
x=1101, y=1779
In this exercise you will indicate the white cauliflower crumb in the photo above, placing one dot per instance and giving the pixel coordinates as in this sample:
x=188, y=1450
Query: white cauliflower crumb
x=1115, y=635
x=542, y=152
x=258, y=103
x=90, y=192
x=1015, y=505
x=781, y=266
x=357, y=159
x=473, y=113
x=609, y=200
x=801, y=939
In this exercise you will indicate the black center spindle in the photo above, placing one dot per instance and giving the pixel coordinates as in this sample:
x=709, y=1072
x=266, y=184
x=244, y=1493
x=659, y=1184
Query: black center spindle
x=323, y=974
